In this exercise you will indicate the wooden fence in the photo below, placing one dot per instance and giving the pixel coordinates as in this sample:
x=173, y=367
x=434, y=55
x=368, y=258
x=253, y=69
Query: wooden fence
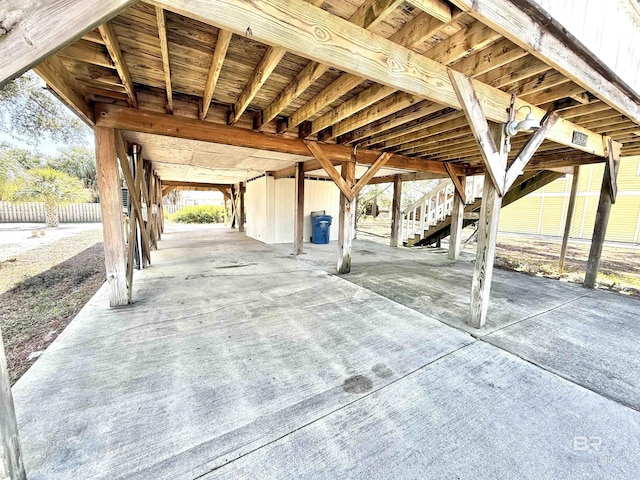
x=72, y=213
x=34, y=213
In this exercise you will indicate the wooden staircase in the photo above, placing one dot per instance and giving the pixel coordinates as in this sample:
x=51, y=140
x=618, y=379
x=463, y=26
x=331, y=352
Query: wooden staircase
x=427, y=221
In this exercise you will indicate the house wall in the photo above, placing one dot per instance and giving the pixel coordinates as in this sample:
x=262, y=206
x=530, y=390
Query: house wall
x=270, y=207
x=544, y=212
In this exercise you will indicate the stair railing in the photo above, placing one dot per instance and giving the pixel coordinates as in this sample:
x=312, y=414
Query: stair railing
x=435, y=206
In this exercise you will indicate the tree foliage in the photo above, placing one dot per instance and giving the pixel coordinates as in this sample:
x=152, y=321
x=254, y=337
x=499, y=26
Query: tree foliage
x=50, y=186
x=79, y=162
x=29, y=113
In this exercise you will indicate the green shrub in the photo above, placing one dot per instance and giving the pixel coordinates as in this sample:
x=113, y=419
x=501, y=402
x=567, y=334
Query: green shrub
x=199, y=214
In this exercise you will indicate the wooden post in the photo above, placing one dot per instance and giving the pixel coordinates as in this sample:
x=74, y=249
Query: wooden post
x=111, y=209
x=224, y=208
x=347, y=212
x=600, y=228
x=234, y=209
x=487, y=236
x=457, y=214
x=395, y=210
x=11, y=466
x=567, y=222
x=298, y=224
x=241, y=189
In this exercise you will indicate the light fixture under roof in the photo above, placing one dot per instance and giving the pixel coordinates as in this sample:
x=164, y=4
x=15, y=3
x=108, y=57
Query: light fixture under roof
x=527, y=125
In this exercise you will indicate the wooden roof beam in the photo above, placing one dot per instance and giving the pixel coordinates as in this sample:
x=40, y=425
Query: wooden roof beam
x=265, y=66
x=476, y=36
x=113, y=47
x=44, y=30
x=164, y=47
x=412, y=34
x=439, y=9
x=490, y=58
x=368, y=15
x=525, y=23
x=220, y=52
x=144, y=121
x=178, y=183
x=66, y=87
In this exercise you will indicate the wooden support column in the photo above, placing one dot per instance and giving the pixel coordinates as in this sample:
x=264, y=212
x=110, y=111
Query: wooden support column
x=347, y=213
x=11, y=466
x=298, y=224
x=457, y=214
x=234, y=210
x=487, y=236
x=607, y=197
x=241, y=190
x=567, y=222
x=111, y=209
x=395, y=210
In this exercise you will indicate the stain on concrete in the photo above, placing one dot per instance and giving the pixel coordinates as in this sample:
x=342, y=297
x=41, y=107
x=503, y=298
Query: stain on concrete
x=240, y=265
x=381, y=370
x=357, y=384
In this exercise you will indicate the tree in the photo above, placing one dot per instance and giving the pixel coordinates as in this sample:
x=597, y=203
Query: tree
x=80, y=162
x=13, y=163
x=174, y=196
x=52, y=187
x=30, y=113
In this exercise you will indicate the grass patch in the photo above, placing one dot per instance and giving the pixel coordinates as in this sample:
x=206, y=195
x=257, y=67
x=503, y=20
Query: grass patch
x=34, y=312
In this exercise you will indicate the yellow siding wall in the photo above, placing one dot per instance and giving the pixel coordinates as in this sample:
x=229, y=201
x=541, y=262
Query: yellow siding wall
x=543, y=212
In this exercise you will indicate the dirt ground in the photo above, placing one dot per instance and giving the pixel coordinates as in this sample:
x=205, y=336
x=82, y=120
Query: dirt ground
x=42, y=289
x=619, y=265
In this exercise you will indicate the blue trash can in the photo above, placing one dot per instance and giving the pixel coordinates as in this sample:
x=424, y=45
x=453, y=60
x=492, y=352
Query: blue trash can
x=320, y=228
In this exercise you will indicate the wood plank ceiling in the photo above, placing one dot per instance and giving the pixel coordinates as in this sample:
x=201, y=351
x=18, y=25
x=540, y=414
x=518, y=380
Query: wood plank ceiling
x=160, y=61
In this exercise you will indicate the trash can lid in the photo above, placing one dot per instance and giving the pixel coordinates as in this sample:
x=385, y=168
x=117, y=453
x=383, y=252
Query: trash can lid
x=322, y=219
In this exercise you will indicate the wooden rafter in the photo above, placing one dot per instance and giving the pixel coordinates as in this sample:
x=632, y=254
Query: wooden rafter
x=436, y=8
x=164, y=47
x=476, y=36
x=58, y=78
x=265, y=66
x=411, y=35
x=526, y=25
x=46, y=29
x=478, y=63
x=365, y=98
x=222, y=44
x=369, y=14
x=288, y=24
x=113, y=47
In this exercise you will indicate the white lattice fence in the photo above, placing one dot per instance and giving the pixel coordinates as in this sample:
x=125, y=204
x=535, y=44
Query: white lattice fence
x=34, y=213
